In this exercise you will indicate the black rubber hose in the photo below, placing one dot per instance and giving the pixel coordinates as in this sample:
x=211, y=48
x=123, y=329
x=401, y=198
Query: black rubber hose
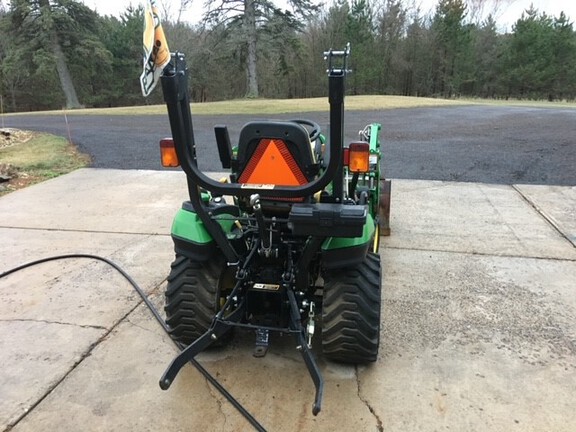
x=257, y=426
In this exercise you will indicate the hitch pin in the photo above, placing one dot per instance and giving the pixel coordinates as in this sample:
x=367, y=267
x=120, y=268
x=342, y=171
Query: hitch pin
x=310, y=326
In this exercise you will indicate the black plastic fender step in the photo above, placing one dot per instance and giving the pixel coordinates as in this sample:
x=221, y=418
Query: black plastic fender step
x=327, y=219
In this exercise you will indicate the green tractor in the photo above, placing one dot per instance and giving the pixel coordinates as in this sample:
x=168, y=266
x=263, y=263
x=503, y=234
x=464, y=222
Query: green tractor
x=287, y=243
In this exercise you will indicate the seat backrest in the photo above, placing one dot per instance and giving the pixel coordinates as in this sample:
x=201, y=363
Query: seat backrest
x=274, y=152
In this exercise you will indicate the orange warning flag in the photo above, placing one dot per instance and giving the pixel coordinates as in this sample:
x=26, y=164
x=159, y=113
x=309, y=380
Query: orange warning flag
x=156, y=52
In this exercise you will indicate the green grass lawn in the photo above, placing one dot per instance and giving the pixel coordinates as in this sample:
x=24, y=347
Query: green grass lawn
x=279, y=106
x=37, y=158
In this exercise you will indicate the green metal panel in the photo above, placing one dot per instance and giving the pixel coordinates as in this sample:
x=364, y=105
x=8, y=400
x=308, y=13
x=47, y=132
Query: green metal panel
x=187, y=225
x=375, y=173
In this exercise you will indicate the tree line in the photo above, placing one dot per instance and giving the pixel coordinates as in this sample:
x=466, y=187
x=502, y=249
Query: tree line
x=60, y=53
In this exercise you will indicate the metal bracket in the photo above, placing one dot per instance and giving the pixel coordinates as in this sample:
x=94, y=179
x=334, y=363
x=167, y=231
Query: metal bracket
x=217, y=329
x=331, y=55
x=302, y=346
x=384, y=207
x=310, y=328
x=262, y=340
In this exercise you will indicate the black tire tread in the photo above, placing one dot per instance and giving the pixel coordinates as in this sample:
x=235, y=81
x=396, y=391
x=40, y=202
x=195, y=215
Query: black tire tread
x=191, y=297
x=351, y=312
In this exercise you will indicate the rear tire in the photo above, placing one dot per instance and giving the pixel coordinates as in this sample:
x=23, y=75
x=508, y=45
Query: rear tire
x=351, y=312
x=193, y=296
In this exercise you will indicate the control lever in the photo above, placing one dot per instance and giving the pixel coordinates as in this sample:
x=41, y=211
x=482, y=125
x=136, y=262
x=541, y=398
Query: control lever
x=265, y=240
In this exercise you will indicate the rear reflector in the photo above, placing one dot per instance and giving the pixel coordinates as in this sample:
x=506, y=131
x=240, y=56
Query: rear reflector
x=359, y=157
x=168, y=153
x=272, y=163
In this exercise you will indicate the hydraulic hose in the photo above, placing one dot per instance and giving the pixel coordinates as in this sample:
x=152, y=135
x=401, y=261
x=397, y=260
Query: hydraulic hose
x=257, y=426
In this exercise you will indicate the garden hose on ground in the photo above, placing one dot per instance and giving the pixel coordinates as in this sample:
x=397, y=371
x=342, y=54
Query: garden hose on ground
x=257, y=426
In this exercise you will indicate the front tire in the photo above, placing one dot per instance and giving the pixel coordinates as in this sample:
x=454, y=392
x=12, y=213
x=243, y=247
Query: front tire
x=351, y=312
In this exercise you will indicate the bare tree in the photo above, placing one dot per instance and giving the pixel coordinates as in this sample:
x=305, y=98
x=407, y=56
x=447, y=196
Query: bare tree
x=245, y=18
x=479, y=10
x=184, y=6
x=166, y=8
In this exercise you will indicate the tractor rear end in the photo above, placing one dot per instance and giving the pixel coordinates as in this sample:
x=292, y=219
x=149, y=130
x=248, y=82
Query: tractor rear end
x=287, y=243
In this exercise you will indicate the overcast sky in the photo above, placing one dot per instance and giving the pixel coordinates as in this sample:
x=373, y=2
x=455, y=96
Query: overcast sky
x=507, y=14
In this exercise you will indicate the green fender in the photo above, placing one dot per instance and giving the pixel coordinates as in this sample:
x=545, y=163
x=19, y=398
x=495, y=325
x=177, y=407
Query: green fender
x=339, y=252
x=188, y=226
x=190, y=236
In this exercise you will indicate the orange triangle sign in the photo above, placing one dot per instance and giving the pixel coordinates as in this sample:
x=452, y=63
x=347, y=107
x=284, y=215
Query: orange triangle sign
x=273, y=164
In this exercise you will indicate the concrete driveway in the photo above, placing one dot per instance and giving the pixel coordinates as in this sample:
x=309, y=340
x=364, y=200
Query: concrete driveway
x=478, y=317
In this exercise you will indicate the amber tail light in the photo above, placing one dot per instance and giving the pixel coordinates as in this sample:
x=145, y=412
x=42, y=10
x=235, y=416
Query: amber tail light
x=168, y=153
x=359, y=157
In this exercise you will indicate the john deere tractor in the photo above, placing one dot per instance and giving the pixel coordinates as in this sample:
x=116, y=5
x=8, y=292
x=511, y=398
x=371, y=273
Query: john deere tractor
x=287, y=243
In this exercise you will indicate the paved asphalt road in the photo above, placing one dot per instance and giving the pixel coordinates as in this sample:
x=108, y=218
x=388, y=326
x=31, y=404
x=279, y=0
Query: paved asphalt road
x=505, y=145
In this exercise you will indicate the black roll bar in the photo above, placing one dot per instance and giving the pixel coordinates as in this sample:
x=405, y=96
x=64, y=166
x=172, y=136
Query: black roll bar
x=175, y=88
